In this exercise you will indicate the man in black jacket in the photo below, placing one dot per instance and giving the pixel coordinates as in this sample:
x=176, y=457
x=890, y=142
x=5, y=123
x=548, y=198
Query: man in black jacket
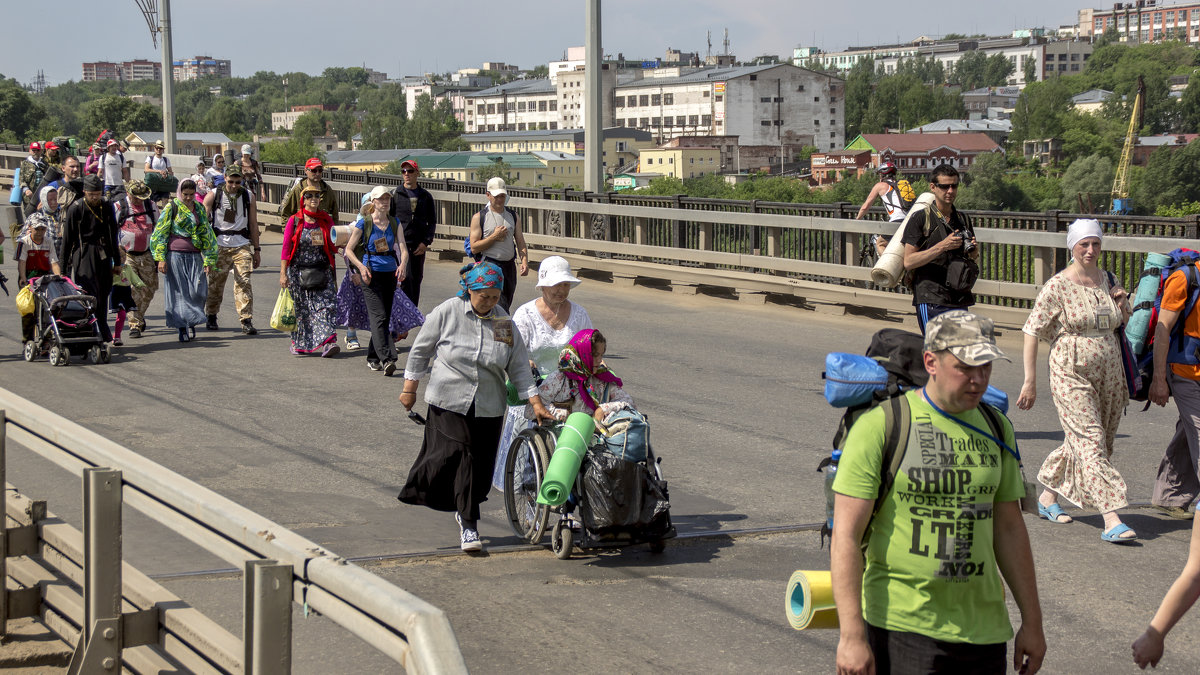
x=417, y=212
x=942, y=254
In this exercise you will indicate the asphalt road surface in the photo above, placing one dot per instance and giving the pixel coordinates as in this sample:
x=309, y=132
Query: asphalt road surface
x=733, y=392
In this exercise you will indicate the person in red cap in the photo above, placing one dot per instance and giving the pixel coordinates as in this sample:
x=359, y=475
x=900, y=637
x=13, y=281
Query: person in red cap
x=33, y=168
x=315, y=171
x=417, y=212
x=54, y=155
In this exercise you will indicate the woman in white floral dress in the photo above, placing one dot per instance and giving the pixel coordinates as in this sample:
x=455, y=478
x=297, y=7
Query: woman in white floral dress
x=1077, y=312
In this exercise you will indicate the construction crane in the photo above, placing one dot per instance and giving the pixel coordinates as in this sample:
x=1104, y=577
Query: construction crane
x=1121, y=204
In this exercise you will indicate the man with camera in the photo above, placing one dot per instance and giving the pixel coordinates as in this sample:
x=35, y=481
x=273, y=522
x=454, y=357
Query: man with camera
x=940, y=251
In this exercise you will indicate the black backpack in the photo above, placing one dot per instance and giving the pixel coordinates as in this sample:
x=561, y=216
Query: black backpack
x=220, y=191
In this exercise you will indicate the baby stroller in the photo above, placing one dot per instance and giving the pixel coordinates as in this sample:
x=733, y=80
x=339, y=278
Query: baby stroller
x=614, y=502
x=65, y=323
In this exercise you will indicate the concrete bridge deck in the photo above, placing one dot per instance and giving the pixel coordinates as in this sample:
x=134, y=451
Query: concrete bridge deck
x=734, y=396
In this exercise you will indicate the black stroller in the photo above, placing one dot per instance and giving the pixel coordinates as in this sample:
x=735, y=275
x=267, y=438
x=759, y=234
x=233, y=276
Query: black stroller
x=613, y=503
x=65, y=323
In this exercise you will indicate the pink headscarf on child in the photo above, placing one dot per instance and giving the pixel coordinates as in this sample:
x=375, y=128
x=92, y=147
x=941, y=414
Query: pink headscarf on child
x=576, y=363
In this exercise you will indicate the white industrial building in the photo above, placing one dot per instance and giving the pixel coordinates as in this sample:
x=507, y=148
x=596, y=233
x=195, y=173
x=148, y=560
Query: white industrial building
x=775, y=104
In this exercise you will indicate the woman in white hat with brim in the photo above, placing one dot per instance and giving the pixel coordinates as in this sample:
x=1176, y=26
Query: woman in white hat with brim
x=546, y=324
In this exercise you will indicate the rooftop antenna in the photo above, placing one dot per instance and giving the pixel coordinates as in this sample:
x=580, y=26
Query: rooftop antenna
x=726, y=42
x=708, y=54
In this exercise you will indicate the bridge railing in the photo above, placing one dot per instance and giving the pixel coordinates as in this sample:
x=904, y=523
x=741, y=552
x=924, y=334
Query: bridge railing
x=80, y=588
x=811, y=251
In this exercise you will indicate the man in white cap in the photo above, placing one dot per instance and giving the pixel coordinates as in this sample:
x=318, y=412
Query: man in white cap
x=33, y=168
x=496, y=237
x=942, y=530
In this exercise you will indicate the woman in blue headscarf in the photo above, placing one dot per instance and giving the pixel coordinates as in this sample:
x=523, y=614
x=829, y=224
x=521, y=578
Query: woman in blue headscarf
x=467, y=348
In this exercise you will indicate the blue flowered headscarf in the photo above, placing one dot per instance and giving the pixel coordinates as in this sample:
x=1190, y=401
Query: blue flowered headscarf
x=479, y=276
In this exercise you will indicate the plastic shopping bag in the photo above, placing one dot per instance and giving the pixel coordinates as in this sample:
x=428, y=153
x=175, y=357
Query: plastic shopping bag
x=25, y=300
x=283, y=318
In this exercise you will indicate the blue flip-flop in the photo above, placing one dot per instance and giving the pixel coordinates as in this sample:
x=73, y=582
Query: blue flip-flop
x=1114, y=535
x=1052, y=513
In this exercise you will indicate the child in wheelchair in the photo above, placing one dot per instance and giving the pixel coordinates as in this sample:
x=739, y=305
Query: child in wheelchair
x=583, y=383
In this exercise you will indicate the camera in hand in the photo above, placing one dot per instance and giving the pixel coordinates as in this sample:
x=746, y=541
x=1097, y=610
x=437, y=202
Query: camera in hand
x=968, y=236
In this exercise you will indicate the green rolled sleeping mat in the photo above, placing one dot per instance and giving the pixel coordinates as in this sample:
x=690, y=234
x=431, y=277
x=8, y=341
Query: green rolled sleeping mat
x=569, y=449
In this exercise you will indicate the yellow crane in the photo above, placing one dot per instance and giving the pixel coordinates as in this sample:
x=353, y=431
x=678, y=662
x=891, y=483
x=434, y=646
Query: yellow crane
x=1121, y=204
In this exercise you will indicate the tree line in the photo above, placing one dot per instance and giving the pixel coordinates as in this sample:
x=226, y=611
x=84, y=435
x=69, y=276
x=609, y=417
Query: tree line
x=237, y=107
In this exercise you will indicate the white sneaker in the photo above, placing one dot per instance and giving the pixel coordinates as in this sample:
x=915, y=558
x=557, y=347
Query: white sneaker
x=468, y=537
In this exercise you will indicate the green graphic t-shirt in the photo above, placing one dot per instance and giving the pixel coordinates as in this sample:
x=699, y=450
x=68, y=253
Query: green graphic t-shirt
x=930, y=566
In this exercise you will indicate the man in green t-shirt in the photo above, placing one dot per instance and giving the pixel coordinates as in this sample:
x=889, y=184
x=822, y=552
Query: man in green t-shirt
x=930, y=598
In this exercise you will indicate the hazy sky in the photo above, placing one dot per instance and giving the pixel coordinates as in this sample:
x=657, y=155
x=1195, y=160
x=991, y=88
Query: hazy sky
x=405, y=37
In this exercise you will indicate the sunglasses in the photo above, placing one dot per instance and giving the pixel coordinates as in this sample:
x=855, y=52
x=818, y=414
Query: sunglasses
x=234, y=182
x=316, y=170
x=946, y=186
x=312, y=195
x=408, y=170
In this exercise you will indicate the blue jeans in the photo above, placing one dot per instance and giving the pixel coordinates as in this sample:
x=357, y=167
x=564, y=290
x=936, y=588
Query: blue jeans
x=927, y=311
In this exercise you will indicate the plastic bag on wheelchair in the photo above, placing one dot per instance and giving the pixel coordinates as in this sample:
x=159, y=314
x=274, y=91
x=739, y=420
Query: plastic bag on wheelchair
x=622, y=497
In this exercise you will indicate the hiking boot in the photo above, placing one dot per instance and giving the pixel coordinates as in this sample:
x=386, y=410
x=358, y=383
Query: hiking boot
x=212, y=322
x=375, y=365
x=135, y=333
x=1176, y=512
x=468, y=537
x=389, y=368
x=248, y=328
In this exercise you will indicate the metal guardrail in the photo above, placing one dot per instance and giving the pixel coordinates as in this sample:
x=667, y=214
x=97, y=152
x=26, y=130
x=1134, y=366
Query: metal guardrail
x=79, y=586
x=810, y=251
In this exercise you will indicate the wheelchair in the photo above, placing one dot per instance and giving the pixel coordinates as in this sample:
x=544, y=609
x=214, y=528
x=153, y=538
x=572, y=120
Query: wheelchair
x=575, y=523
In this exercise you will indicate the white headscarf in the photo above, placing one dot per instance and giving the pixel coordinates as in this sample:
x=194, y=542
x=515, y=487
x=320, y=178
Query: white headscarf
x=42, y=197
x=1081, y=229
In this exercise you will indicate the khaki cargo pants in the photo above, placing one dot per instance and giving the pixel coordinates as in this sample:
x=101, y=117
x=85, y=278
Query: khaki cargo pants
x=239, y=260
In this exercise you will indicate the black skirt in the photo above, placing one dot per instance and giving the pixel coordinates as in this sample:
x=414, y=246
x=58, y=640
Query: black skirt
x=453, y=471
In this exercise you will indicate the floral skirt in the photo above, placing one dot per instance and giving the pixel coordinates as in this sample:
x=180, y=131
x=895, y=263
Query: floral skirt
x=352, y=309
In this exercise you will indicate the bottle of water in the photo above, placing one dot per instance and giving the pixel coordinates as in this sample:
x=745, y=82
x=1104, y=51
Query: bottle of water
x=830, y=473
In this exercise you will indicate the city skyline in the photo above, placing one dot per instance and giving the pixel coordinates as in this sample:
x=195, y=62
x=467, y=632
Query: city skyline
x=541, y=32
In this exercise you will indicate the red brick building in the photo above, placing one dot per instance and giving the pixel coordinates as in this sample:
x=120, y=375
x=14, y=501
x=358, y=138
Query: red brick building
x=918, y=154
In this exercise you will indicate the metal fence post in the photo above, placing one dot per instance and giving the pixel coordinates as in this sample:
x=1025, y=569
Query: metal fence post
x=267, y=617
x=100, y=640
x=3, y=524
x=1045, y=261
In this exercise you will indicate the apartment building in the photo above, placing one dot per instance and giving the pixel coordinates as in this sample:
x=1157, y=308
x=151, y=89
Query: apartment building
x=680, y=162
x=775, y=104
x=1143, y=21
x=139, y=69
x=202, y=66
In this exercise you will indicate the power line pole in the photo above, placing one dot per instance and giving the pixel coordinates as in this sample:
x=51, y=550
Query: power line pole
x=593, y=125
x=168, y=77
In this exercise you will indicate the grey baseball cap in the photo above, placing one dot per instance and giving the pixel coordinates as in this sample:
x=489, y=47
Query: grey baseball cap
x=966, y=335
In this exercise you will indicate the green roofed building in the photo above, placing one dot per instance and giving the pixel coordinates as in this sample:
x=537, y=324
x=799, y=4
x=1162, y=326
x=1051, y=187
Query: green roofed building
x=526, y=169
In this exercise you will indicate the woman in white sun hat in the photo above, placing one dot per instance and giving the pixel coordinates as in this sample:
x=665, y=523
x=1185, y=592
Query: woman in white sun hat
x=546, y=324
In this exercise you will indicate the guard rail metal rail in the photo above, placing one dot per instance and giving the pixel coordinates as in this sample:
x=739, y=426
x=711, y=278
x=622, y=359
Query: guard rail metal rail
x=809, y=252
x=80, y=588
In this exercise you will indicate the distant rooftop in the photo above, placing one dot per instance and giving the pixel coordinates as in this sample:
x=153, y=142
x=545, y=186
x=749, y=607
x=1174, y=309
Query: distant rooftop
x=205, y=138
x=1091, y=96
x=371, y=156
x=962, y=126
x=576, y=134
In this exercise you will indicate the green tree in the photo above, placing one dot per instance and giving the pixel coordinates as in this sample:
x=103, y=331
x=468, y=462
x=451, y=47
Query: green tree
x=19, y=113
x=343, y=124
x=1030, y=71
x=988, y=188
x=1091, y=177
x=433, y=126
x=998, y=69
x=292, y=151
x=310, y=125
x=119, y=114
x=1172, y=176
x=1039, y=111
x=1189, y=105
x=497, y=168
x=226, y=116
x=859, y=83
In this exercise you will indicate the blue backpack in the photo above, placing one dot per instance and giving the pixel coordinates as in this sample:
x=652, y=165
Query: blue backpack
x=1183, y=348
x=628, y=436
